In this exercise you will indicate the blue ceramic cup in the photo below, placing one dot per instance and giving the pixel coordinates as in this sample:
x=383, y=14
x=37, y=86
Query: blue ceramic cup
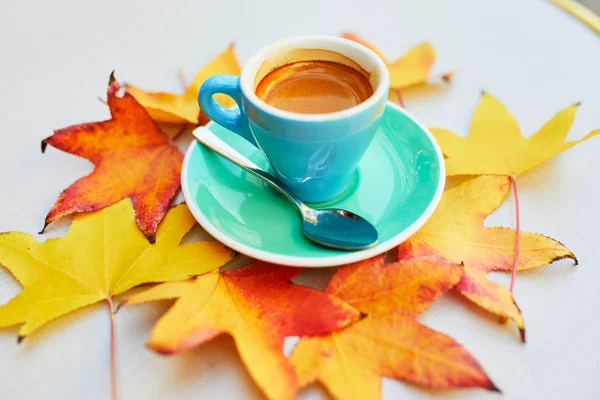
x=315, y=155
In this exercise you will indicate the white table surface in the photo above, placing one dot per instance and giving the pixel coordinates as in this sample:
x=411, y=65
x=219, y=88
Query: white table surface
x=55, y=58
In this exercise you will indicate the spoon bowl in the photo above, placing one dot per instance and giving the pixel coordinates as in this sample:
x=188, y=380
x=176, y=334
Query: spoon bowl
x=330, y=227
x=339, y=229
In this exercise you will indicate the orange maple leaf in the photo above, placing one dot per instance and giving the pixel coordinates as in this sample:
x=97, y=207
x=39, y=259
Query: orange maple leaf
x=258, y=306
x=411, y=69
x=183, y=108
x=456, y=232
x=390, y=341
x=132, y=157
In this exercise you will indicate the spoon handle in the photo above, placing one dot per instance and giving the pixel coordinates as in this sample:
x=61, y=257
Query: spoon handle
x=213, y=142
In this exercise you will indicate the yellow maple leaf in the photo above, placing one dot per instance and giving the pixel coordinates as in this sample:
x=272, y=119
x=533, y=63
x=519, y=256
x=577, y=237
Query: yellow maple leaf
x=183, y=108
x=495, y=145
x=411, y=69
x=102, y=255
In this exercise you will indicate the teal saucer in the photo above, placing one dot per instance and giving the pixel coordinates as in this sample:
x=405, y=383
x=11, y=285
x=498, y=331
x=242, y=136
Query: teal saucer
x=397, y=186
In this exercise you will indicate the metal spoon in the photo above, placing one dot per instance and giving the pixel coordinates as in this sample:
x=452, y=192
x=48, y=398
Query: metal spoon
x=331, y=227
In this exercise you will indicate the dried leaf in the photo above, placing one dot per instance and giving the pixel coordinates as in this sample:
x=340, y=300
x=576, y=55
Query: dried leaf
x=183, y=108
x=132, y=157
x=256, y=305
x=412, y=68
x=456, y=232
x=102, y=255
x=390, y=341
x=496, y=146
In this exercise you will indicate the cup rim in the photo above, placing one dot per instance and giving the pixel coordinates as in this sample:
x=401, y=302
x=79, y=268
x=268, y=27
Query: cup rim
x=252, y=66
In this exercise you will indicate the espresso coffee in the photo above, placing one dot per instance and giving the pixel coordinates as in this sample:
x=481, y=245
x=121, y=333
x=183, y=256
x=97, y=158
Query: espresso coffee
x=314, y=87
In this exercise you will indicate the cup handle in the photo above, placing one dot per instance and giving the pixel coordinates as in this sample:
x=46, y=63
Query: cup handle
x=234, y=120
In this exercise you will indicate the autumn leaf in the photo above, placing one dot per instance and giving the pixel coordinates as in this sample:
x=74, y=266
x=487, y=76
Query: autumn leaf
x=495, y=145
x=102, y=255
x=183, y=108
x=412, y=68
x=456, y=232
x=132, y=157
x=389, y=342
x=256, y=305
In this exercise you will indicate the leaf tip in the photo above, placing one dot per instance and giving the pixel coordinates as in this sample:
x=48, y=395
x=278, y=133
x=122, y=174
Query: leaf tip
x=151, y=236
x=493, y=388
x=562, y=257
x=46, y=223
x=572, y=256
x=520, y=323
x=113, y=87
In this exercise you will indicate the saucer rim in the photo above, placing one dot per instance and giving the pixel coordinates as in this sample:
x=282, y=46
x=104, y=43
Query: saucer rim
x=321, y=261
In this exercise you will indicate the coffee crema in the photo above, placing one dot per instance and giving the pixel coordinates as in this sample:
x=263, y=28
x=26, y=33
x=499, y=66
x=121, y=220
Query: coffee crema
x=314, y=87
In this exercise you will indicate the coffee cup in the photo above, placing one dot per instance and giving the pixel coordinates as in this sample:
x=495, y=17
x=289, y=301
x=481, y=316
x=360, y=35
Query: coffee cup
x=311, y=116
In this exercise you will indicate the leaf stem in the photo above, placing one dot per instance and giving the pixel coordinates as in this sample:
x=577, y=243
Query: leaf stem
x=182, y=79
x=517, y=233
x=113, y=351
x=399, y=95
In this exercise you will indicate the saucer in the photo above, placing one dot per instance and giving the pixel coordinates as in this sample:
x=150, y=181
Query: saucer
x=397, y=186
